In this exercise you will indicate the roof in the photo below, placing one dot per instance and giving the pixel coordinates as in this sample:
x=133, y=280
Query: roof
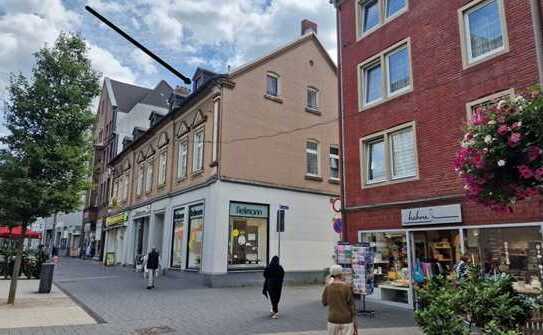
x=125, y=96
x=277, y=52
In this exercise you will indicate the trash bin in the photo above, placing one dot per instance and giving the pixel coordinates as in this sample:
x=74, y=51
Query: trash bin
x=46, y=277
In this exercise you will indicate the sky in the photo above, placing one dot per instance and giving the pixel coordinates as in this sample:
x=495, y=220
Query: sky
x=213, y=34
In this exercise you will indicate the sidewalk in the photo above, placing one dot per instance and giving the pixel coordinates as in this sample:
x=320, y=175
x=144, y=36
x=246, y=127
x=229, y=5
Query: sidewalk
x=372, y=331
x=39, y=310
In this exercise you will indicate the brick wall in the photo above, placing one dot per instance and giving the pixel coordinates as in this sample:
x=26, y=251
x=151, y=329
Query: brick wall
x=437, y=104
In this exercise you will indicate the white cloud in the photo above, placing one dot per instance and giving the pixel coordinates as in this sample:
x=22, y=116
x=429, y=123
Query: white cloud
x=103, y=61
x=106, y=6
x=143, y=62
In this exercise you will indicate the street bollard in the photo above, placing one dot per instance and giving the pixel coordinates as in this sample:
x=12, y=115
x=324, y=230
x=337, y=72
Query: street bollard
x=46, y=277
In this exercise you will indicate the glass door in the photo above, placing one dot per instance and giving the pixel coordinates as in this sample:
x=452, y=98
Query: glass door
x=195, y=235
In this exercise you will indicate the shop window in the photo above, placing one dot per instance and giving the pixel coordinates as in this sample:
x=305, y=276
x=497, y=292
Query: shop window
x=437, y=251
x=178, y=237
x=195, y=234
x=507, y=250
x=391, y=274
x=248, y=237
x=484, y=30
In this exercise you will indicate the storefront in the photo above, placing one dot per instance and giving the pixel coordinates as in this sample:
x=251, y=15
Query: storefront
x=195, y=233
x=115, y=230
x=433, y=239
x=248, y=241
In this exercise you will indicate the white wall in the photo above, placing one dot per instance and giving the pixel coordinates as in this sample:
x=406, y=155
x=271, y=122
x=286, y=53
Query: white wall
x=137, y=117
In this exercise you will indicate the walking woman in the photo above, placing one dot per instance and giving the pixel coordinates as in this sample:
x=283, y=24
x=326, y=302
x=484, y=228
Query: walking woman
x=338, y=296
x=273, y=284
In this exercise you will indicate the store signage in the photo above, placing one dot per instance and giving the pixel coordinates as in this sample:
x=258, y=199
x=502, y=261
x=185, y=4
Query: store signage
x=197, y=210
x=432, y=215
x=248, y=210
x=142, y=211
x=116, y=219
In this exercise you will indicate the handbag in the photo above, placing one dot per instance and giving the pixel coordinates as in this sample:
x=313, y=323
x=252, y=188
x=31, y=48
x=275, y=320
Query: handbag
x=418, y=276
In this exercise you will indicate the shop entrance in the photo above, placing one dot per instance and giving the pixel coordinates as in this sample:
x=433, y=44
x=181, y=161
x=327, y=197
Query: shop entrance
x=437, y=251
x=158, y=231
x=142, y=237
x=196, y=237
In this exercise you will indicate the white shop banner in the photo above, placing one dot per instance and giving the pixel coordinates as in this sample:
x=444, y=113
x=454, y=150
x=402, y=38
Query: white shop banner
x=432, y=215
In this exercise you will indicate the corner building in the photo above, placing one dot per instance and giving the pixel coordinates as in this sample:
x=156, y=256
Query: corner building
x=204, y=183
x=411, y=72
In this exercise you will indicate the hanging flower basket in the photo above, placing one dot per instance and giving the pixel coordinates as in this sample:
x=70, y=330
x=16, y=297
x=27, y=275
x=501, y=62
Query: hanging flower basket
x=501, y=155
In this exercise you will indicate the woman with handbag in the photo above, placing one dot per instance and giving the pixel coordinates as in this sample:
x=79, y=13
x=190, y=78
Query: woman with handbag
x=338, y=296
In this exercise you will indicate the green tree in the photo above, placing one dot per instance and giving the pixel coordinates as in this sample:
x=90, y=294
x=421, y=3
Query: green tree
x=44, y=168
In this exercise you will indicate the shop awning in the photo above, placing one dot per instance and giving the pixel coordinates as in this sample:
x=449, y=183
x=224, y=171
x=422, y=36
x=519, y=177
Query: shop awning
x=16, y=232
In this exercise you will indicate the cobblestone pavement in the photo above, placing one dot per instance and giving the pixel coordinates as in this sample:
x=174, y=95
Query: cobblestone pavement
x=117, y=299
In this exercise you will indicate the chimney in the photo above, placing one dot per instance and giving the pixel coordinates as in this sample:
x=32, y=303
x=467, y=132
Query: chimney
x=308, y=27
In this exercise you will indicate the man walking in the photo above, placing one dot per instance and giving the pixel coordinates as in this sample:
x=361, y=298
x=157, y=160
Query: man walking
x=152, y=262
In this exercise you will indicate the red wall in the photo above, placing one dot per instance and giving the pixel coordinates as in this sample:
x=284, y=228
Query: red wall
x=437, y=105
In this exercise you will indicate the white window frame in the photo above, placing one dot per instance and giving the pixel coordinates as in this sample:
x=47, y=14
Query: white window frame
x=336, y=157
x=465, y=36
x=162, y=168
x=382, y=60
x=383, y=18
x=278, y=79
x=317, y=97
x=470, y=106
x=315, y=152
x=126, y=186
x=149, y=167
x=182, y=165
x=198, y=166
x=140, y=179
x=385, y=136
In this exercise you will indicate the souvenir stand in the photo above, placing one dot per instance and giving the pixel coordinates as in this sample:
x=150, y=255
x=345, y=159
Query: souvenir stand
x=357, y=263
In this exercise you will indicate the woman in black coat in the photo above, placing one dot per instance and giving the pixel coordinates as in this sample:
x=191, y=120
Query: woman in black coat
x=274, y=275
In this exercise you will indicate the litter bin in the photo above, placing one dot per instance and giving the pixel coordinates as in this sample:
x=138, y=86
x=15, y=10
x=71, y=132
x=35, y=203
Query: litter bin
x=46, y=277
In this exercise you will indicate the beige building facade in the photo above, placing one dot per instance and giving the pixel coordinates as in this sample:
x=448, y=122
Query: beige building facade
x=205, y=182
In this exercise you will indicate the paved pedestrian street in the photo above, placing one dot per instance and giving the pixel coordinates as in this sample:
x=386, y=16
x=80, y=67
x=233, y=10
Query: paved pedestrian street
x=117, y=299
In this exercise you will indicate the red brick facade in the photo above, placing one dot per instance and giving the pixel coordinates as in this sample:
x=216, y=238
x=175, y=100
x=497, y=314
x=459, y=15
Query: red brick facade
x=437, y=105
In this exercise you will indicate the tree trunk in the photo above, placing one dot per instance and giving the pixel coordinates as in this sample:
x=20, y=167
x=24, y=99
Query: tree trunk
x=16, y=268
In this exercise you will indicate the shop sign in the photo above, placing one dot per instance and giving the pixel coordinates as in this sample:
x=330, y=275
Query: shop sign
x=116, y=219
x=248, y=210
x=432, y=215
x=197, y=210
x=142, y=211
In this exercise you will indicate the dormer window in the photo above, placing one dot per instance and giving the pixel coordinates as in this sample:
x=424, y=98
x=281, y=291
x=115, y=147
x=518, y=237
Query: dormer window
x=272, y=84
x=197, y=83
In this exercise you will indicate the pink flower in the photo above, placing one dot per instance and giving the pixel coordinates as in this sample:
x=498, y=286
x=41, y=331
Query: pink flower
x=514, y=139
x=478, y=117
x=525, y=171
x=539, y=174
x=534, y=152
x=479, y=161
x=516, y=125
x=468, y=136
x=531, y=192
x=503, y=130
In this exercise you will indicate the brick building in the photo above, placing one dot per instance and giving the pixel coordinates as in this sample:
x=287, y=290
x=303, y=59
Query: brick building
x=410, y=73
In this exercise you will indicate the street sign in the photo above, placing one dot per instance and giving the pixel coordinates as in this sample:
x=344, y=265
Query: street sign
x=281, y=221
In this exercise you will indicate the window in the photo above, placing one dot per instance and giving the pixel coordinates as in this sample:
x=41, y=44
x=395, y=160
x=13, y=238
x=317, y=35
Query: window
x=139, y=183
x=149, y=177
x=484, y=30
x=390, y=155
x=162, y=161
x=372, y=14
x=178, y=237
x=487, y=102
x=272, y=84
x=312, y=157
x=334, y=162
x=114, y=192
x=198, y=151
x=312, y=98
x=182, y=158
x=125, y=187
x=386, y=75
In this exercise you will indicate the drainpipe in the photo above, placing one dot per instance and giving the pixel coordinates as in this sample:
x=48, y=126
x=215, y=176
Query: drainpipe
x=341, y=120
x=538, y=37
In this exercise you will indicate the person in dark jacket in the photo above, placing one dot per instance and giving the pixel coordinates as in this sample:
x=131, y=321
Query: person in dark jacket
x=273, y=284
x=152, y=263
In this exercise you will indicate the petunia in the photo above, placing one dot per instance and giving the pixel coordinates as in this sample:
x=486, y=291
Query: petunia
x=503, y=130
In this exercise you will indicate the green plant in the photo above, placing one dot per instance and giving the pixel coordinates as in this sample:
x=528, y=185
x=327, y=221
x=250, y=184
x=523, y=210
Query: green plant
x=492, y=328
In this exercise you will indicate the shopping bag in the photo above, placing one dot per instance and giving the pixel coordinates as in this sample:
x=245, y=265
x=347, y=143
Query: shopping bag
x=418, y=276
